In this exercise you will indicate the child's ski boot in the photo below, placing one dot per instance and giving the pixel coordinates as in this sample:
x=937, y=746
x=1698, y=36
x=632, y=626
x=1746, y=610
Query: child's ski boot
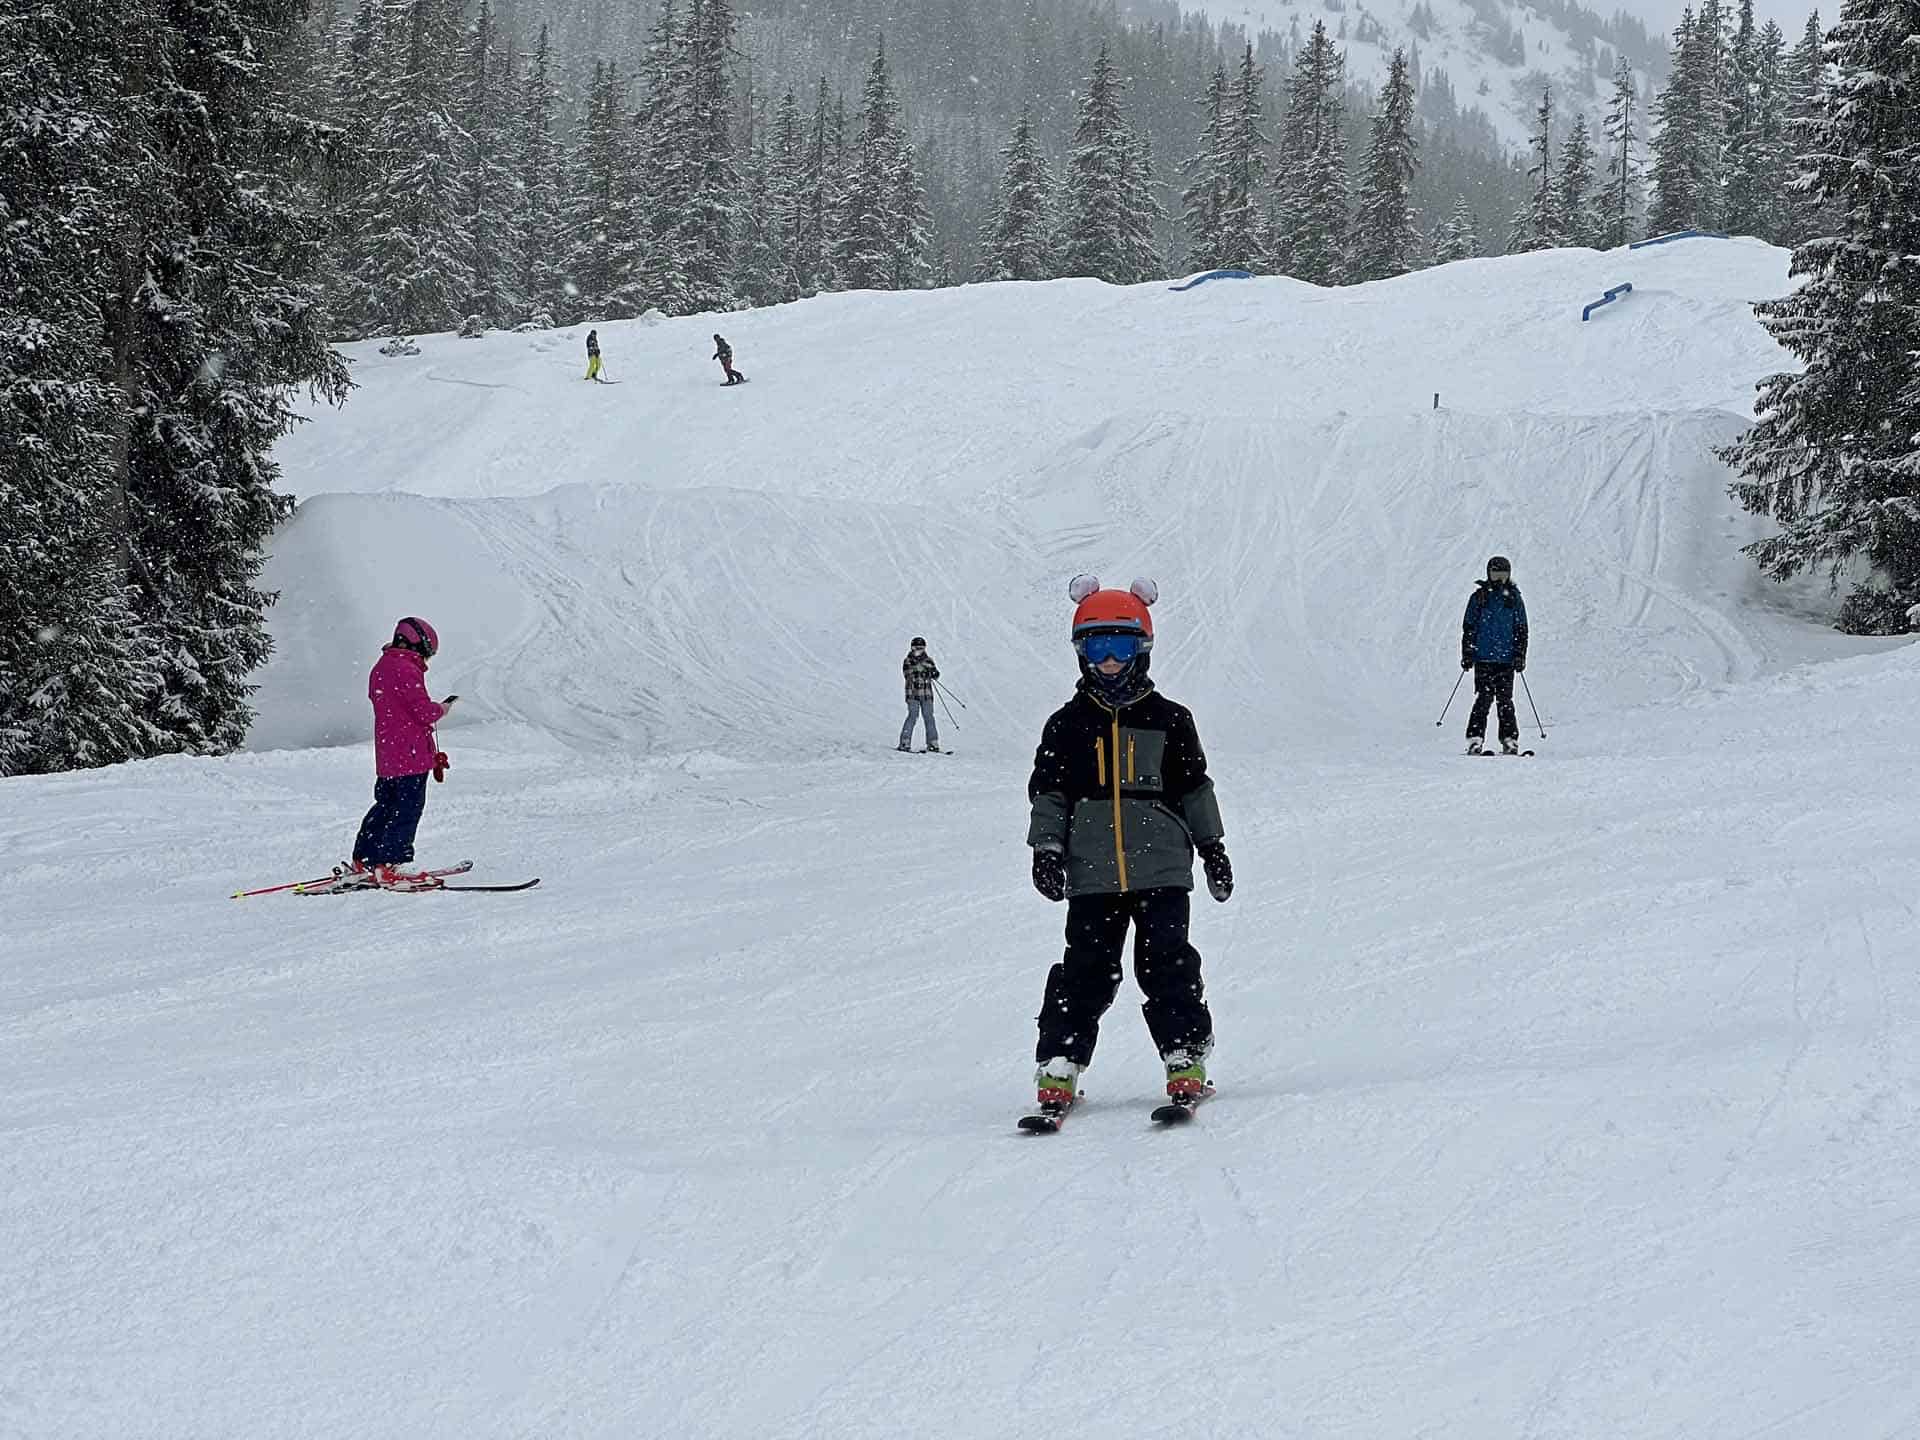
x=1058, y=1082
x=347, y=875
x=1186, y=1085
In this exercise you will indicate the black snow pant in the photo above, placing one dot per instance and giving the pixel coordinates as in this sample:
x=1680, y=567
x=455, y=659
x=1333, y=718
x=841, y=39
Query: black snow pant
x=1493, y=683
x=1082, y=986
x=386, y=835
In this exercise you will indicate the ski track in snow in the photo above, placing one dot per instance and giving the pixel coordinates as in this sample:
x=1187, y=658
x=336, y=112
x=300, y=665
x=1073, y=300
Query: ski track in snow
x=1570, y=1098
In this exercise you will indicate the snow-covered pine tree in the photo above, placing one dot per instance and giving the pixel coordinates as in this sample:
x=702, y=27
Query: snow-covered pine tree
x=1573, y=199
x=1806, y=86
x=1018, y=244
x=1202, y=199
x=537, y=191
x=1458, y=236
x=786, y=186
x=818, y=202
x=882, y=239
x=1241, y=226
x=760, y=276
x=203, y=276
x=1689, y=150
x=1109, y=209
x=1538, y=224
x=1834, y=459
x=358, y=86
x=1678, y=121
x=1741, y=125
x=596, y=215
x=492, y=221
x=418, y=256
x=1309, y=208
x=1758, y=166
x=663, y=144
x=1386, y=240
x=710, y=224
x=77, y=675
x=1622, y=196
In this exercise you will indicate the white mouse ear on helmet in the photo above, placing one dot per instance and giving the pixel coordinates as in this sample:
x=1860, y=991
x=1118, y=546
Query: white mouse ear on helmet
x=1145, y=591
x=1082, y=586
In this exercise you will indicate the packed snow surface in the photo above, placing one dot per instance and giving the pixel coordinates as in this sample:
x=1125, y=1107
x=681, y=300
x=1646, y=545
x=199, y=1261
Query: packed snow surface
x=1564, y=1097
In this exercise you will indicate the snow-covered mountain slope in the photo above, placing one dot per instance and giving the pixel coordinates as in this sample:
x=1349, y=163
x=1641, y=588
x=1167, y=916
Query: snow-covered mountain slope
x=660, y=563
x=1497, y=54
x=1570, y=1097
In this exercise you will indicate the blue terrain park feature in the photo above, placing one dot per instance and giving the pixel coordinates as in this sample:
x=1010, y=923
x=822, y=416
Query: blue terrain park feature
x=1607, y=299
x=1677, y=235
x=1213, y=275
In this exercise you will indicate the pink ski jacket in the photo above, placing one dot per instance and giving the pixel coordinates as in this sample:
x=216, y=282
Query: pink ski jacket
x=403, y=714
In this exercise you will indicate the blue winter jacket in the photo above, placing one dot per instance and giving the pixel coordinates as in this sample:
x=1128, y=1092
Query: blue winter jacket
x=1494, y=631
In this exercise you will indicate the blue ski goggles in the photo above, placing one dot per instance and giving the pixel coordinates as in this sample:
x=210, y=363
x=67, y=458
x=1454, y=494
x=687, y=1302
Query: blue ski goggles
x=1109, y=645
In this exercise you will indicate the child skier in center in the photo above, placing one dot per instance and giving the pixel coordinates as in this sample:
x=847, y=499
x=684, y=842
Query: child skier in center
x=1120, y=803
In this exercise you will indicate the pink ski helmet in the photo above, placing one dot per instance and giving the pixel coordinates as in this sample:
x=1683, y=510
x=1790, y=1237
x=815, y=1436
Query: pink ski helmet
x=413, y=633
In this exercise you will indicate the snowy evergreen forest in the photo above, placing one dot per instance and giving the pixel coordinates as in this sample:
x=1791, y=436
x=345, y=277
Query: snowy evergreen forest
x=197, y=201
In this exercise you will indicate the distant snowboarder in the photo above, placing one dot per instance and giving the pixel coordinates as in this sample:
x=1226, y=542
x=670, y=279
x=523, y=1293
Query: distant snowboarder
x=593, y=354
x=1493, y=644
x=723, y=352
x=1121, y=801
x=920, y=673
x=405, y=753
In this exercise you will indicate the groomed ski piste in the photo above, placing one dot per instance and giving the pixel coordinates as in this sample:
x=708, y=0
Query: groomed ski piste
x=1570, y=1097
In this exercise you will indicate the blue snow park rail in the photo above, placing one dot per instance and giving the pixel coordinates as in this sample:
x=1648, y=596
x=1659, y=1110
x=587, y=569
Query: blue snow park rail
x=1607, y=299
x=1214, y=275
x=1679, y=235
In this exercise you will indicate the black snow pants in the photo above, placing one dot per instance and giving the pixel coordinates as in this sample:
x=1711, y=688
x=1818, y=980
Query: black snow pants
x=1081, y=987
x=1493, y=683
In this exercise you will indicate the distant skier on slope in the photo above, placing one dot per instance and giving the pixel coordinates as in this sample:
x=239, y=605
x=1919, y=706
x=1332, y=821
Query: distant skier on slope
x=593, y=354
x=404, y=755
x=1120, y=802
x=723, y=352
x=1493, y=644
x=920, y=673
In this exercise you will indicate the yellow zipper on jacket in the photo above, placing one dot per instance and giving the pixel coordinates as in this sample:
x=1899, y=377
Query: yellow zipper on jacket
x=1119, y=837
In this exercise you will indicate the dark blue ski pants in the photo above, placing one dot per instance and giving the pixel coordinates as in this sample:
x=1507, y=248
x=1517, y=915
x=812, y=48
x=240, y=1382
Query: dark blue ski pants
x=386, y=835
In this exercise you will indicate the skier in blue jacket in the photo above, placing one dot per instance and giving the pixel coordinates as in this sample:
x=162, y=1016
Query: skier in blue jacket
x=1493, y=644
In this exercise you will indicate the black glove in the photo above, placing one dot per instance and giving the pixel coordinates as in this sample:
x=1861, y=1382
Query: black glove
x=1050, y=874
x=1466, y=662
x=1213, y=855
x=1520, y=664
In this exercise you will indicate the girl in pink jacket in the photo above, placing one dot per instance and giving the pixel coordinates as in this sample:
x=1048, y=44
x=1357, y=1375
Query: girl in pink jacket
x=404, y=755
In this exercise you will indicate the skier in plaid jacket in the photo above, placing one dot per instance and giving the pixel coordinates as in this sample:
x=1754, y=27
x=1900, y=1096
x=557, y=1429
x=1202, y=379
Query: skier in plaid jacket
x=920, y=673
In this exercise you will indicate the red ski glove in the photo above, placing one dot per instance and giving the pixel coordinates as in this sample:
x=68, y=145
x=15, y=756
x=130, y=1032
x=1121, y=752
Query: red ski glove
x=441, y=764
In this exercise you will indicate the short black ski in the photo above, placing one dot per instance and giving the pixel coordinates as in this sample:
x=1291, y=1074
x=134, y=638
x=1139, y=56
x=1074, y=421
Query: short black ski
x=1179, y=1112
x=1048, y=1118
x=492, y=889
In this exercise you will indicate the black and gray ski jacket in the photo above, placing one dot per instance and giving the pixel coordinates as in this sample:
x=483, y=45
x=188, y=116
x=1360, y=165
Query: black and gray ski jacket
x=1124, y=793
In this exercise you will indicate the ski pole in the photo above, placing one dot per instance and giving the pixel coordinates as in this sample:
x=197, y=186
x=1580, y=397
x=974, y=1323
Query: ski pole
x=1536, y=709
x=950, y=695
x=276, y=889
x=1449, y=705
x=943, y=705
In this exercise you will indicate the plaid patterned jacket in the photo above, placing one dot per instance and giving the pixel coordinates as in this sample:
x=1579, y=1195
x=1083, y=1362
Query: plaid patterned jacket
x=920, y=673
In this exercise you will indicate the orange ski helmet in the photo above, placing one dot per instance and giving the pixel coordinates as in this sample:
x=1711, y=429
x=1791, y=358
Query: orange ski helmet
x=1121, y=611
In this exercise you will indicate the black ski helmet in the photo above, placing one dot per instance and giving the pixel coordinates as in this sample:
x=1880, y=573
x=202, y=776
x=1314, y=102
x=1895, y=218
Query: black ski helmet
x=919, y=642
x=1499, y=562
